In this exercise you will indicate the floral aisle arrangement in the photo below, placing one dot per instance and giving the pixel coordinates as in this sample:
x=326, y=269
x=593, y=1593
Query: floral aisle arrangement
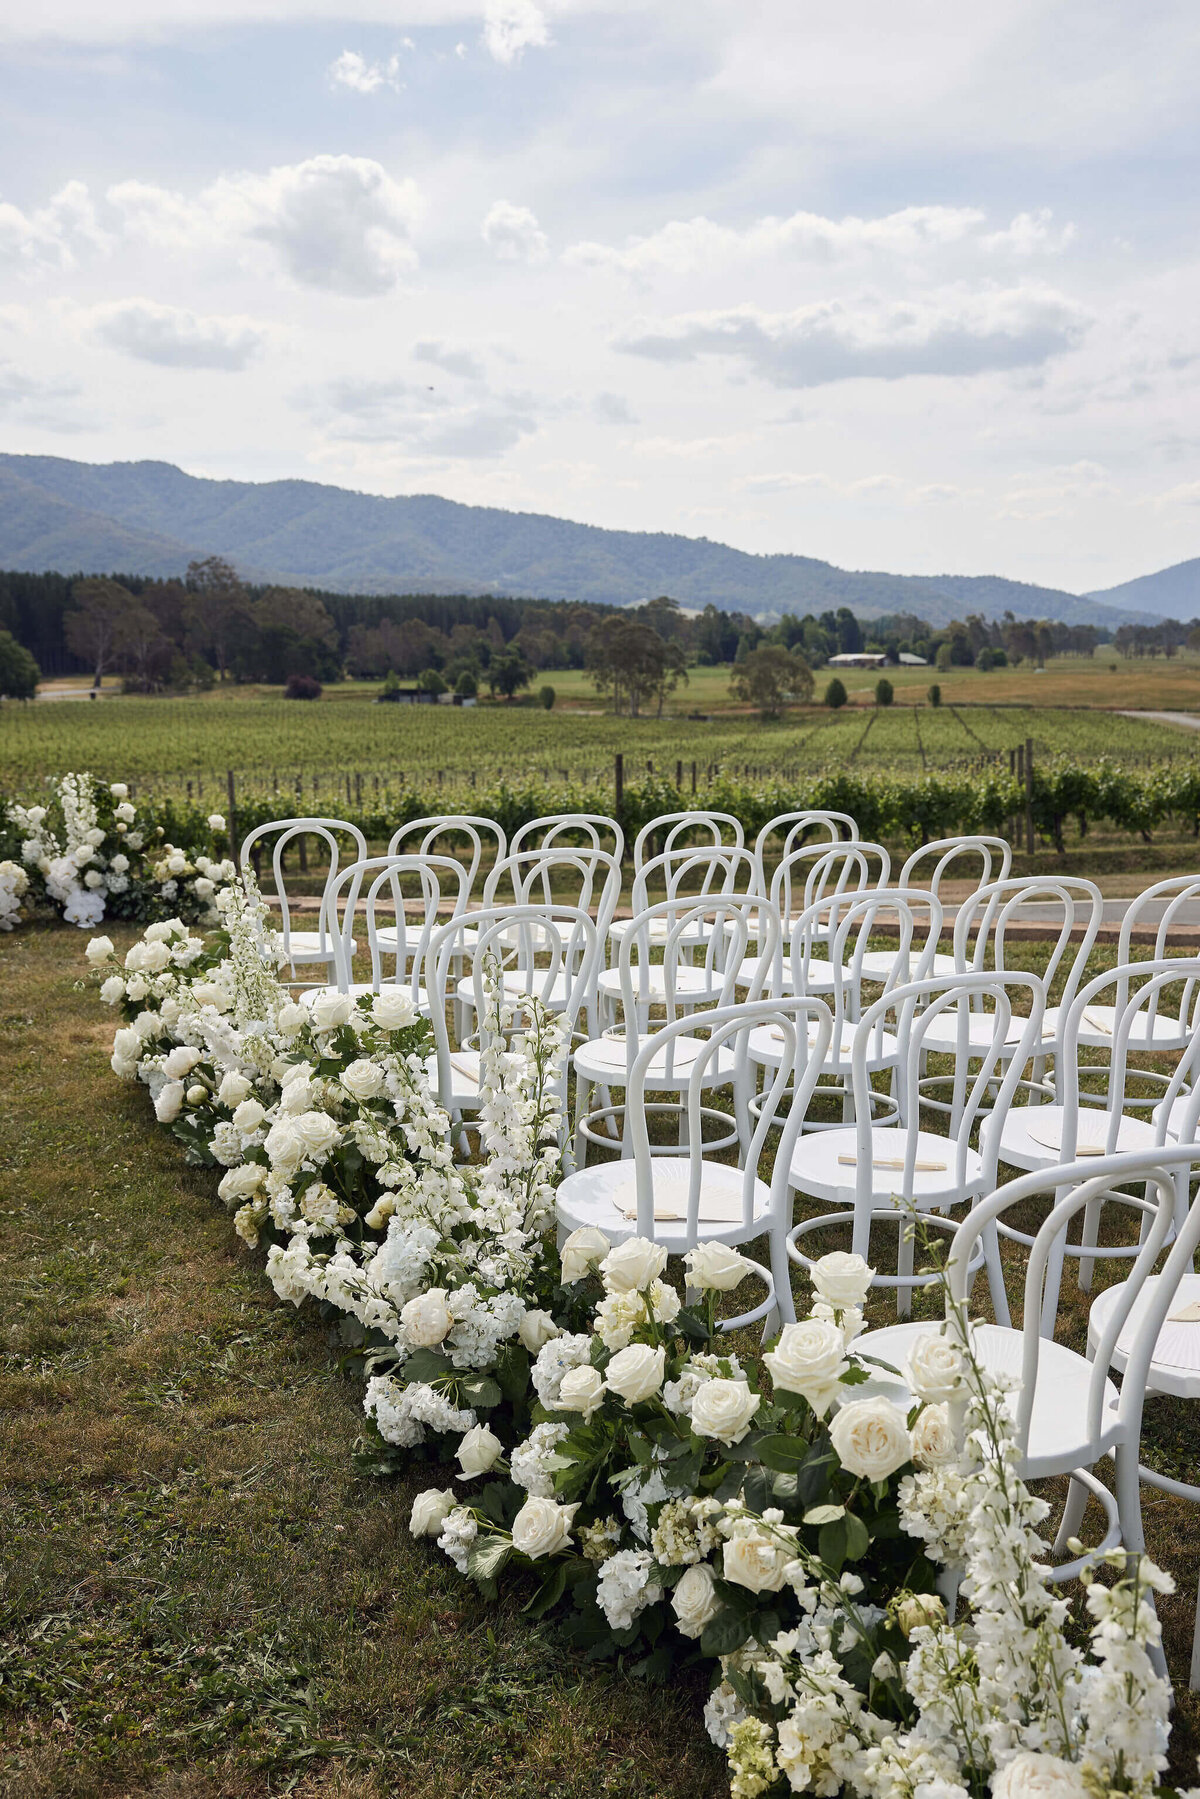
x=865, y=1581
x=89, y=854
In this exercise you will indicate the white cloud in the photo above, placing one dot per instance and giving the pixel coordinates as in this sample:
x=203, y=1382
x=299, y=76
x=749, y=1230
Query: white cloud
x=955, y=332
x=55, y=235
x=511, y=27
x=1186, y=494
x=463, y=363
x=422, y=423
x=340, y=223
x=362, y=77
x=685, y=246
x=175, y=337
x=513, y=233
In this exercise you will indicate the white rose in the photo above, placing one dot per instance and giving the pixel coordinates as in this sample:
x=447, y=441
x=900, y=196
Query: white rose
x=723, y=1409
x=936, y=1367
x=203, y=888
x=329, y=1010
x=291, y=1017
x=363, y=1079
x=137, y=987
x=694, y=1601
x=757, y=1561
x=317, y=1132
x=284, y=1146
x=632, y=1265
x=95, y=837
x=870, y=1438
x=542, y=1527
x=917, y=1609
x=119, y=790
x=636, y=1373
x=248, y=1116
x=159, y=933
x=478, y=1451
x=933, y=1439
x=716, y=1266
x=216, y=821
x=155, y=957
x=181, y=1061
x=119, y=864
x=430, y=1511
x=664, y=1301
x=197, y=1095
x=842, y=1279
x=535, y=1329
x=581, y=1252
x=427, y=1318
x=128, y=1043
x=393, y=1008
x=808, y=1359
x=208, y=993
x=242, y=1182
x=99, y=950
x=125, y=815
x=169, y=1103
x=234, y=1089
x=112, y=990
x=1035, y=1775
x=580, y=1390
x=177, y=863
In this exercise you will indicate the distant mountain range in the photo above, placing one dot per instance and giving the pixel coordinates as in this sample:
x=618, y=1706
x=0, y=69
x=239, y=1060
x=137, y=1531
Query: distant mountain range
x=150, y=518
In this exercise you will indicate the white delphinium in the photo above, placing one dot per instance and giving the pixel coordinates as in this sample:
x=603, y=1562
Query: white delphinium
x=255, y=949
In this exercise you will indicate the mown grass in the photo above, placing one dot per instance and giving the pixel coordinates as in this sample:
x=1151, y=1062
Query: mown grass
x=200, y=1599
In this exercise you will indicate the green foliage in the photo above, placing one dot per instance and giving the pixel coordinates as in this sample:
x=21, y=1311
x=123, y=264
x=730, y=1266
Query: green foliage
x=935, y=695
x=835, y=695
x=885, y=693
x=546, y=698
x=19, y=673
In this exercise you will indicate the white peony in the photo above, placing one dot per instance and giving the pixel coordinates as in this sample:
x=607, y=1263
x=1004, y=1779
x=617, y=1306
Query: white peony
x=1035, y=1775
x=234, y=1089
x=580, y=1390
x=363, y=1079
x=216, y=821
x=933, y=1439
x=723, y=1409
x=542, y=1527
x=936, y=1367
x=427, y=1318
x=119, y=790
x=430, y=1511
x=694, y=1600
x=842, y=1279
x=581, y=1252
x=393, y=1008
x=870, y=1438
x=809, y=1359
x=716, y=1266
x=535, y=1329
x=99, y=950
x=197, y=1095
x=632, y=1265
x=169, y=1103
x=479, y=1450
x=636, y=1373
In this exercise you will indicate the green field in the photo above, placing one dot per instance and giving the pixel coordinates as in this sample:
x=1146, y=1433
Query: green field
x=268, y=742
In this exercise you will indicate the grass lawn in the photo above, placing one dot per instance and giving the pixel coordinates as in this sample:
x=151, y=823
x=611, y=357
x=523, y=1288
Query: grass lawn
x=200, y=1599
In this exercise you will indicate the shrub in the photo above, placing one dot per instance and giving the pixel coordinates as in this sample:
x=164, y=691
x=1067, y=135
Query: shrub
x=935, y=695
x=546, y=698
x=885, y=693
x=467, y=685
x=430, y=681
x=835, y=695
x=985, y=661
x=302, y=687
x=945, y=658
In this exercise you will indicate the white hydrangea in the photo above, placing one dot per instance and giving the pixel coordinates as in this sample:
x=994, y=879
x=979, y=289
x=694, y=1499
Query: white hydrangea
x=622, y=1589
x=533, y=1462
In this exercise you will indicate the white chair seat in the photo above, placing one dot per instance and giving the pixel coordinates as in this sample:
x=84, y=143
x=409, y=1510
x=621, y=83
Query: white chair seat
x=307, y=946
x=817, y=1172
x=1058, y=1437
x=649, y=984
x=1031, y=1136
x=1175, y=1366
x=657, y=931
x=555, y=995
x=1099, y=1023
x=1175, y=1116
x=604, y=1060
x=818, y=979
x=877, y=965
x=310, y=995
x=942, y=1036
x=602, y=1193
x=766, y=1047
x=464, y=1079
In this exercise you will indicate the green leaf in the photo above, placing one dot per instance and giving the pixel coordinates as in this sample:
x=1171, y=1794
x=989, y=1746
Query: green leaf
x=858, y=1537
x=487, y=1556
x=785, y=1455
x=824, y=1514
x=831, y=1544
x=512, y=1371
x=426, y=1365
x=480, y=1391
x=727, y=1632
x=549, y=1593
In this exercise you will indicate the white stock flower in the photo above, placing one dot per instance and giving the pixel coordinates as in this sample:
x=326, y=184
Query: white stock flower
x=99, y=950
x=581, y=1251
x=632, y=1265
x=427, y=1319
x=363, y=1079
x=723, y=1409
x=478, y=1451
x=392, y=1008
x=1034, y=1775
x=809, y=1359
x=536, y=1329
x=842, y=1279
x=169, y=1103
x=936, y=1367
x=694, y=1600
x=716, y=1266
x=933, y=1438
x=636, y=1373
x=542, y=1527
x=580, y=1390
x=430, y=1510
x=870, y=1438
x=329, y=1010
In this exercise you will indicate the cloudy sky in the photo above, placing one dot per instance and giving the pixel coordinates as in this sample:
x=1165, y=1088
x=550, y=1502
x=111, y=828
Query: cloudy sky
x=904, y=285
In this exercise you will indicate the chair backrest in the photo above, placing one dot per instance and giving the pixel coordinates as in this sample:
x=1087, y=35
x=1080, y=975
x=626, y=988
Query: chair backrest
x=694, y=872
x=662, y=835
x=1002, y=906
x=291, y=830
x=712, y=933
x=794, y=828
x=1075, y=1185
x=590, y=877
x=559, y=830
x=798, y=1053
x=1173, y=895
x=914, y=1008
x=387, y=883
x=1136, y=1008
x=821, y=871
x=929, y=865
x=844, y=923
x=421, y=835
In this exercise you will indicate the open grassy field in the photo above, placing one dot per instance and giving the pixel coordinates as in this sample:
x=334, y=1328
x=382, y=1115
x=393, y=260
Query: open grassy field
x=167, y=742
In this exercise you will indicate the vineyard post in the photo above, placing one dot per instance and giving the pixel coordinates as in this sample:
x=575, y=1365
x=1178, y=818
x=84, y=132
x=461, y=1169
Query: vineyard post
x=232, y=809
x=693, y=777
x=679, y=776
x=1029, y=795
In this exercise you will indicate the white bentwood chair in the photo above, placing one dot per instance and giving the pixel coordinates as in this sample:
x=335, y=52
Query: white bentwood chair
x=303, y=948
x=408, y=887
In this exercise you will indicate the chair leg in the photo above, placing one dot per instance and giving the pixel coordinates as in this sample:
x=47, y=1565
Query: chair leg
x=1128, y=1487
x=583, y=1090
x=1054, y=1274
x=995, y=1275
x=1090, y=1237
x=781, y=1274
x=1194, y=1675
x=1072, y=1518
